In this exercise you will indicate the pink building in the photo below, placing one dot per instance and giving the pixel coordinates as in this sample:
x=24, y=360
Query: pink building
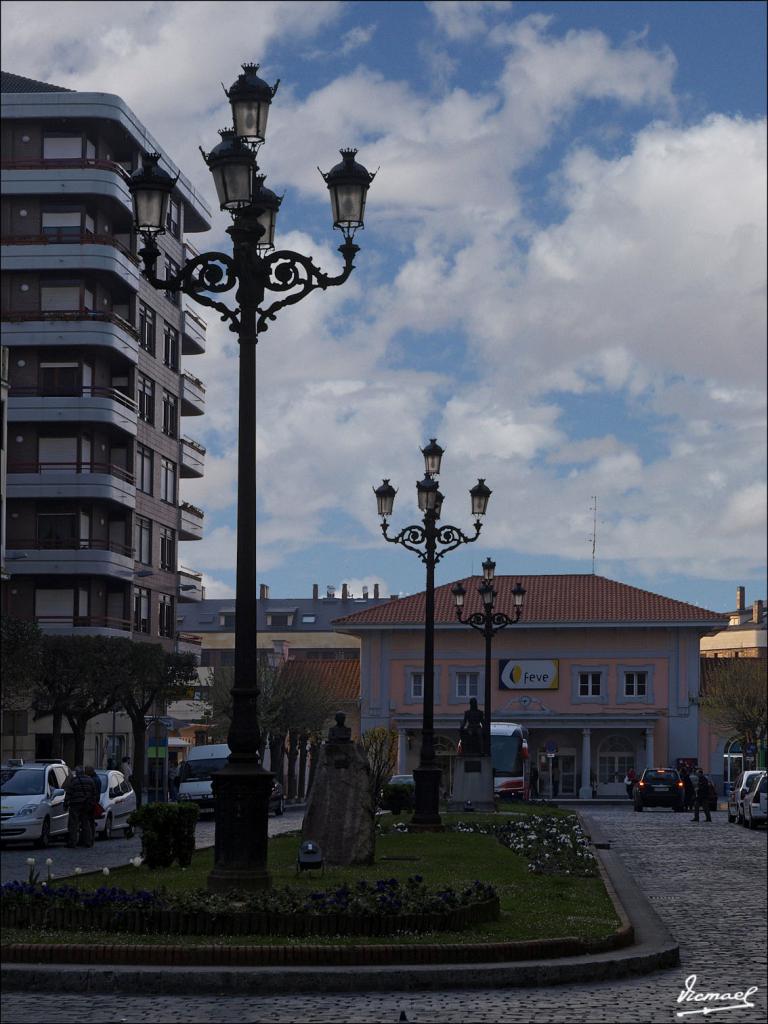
x=604, y=673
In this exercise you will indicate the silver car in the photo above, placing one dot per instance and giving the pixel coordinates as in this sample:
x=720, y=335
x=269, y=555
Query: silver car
x=33, y=802
x=755, y=803
x=737, y=793
x=118, y=799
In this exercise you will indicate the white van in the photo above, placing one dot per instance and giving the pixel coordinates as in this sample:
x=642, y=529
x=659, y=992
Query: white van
x=194, y=777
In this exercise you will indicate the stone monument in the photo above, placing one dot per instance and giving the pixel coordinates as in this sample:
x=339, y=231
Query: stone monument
x=473, y=769
x=340, y=815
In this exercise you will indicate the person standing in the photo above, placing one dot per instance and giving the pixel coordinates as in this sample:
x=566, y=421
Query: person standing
x=629, y=781
x=533, y=782
x=80, y=799
x=702, y=796
x=689, y=790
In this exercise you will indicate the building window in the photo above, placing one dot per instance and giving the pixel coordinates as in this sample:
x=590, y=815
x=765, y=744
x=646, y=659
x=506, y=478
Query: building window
x=308, y=618
x=171, y=270
x=467, y=684
x=635, y=684
x=171, y=347
x=280, y=620
x=170, y=414
x=57, y=530
x=57, y=146
x=63, y=297
x=63, y=222
x=167, y=549
x=165, y=624
x=141, y=610
x=168, y=481
x=416, y=686
x=173, y=218
x=143, y=468
x=143, y=540
x=590, y=684
x=145, y=391
x=59, y=379
x=147, y=328
x=227, y=619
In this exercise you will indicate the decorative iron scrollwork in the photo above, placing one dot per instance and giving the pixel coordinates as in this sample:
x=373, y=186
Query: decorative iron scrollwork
x=284, y=270
x=449, y=536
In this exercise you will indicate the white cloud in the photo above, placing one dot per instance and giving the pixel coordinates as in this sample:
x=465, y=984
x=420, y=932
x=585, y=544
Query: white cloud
x=465, y=19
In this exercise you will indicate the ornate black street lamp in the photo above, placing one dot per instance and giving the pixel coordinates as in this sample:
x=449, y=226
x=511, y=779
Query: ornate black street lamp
x=243, y=788
x=488, y=622
x=424, y=540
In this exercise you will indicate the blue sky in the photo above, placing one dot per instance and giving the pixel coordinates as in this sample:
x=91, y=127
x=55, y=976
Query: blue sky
x=562, y=276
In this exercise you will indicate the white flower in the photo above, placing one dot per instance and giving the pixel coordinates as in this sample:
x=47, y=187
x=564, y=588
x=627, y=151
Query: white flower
x=136, y=861
x=78, y=871
x=105, y=871
x=30, y=861
x=48, y=861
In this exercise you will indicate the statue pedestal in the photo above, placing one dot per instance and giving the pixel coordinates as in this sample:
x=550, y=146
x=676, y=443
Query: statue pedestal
x=473, y=781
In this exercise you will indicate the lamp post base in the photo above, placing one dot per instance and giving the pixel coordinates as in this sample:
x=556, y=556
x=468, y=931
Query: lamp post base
x=241, y=790
x=426, y=813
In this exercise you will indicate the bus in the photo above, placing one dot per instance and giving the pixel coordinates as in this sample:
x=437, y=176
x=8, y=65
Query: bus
x=509, y=755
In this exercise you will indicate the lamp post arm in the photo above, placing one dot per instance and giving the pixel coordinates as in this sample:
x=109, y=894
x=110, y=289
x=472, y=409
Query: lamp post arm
x=452, y=537
x=408, y=537
x=285, y=269
x=476, y=620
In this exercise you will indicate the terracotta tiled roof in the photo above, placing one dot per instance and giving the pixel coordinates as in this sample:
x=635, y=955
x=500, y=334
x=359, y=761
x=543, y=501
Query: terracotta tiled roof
x=558, y=599
x=340, y=678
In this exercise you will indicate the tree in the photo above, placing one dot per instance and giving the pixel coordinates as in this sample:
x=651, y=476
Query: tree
x=146, y=677
x=217, y=712
x=22, y=644
x=735, y=696
x=95, y=685
x=381, y=747
x=62, y=665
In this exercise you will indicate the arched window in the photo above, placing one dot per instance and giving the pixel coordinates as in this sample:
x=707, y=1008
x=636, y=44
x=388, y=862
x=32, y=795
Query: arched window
x=733, y=760
x=616, y=755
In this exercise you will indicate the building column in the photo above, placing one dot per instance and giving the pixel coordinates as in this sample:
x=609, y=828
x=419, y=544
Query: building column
x=585, y=791
x=649, y=757
x=402, y=751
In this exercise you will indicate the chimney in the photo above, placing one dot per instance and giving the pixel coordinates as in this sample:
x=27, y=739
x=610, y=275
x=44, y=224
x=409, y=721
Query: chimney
x=264, y=592
x=280, y=651
x=315, y=591
x=740, y=599
x=344, y=592
x=330, y=592
x=365, y=593
x=375, y=591
x=757, y=612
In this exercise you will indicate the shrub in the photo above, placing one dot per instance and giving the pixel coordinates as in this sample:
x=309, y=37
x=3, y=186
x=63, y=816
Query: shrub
x=167, y=833
x=397, y=798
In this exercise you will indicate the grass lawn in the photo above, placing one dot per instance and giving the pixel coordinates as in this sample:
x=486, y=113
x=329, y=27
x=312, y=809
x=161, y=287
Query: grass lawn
x=533, y=906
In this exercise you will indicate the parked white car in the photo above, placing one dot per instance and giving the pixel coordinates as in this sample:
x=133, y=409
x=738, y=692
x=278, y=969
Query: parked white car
x=755, y=802
x=737, y=793
x=118, y=799
x=32, y=802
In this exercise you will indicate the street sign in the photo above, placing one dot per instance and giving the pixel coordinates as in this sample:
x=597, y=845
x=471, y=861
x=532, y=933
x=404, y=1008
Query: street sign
x=551, y=748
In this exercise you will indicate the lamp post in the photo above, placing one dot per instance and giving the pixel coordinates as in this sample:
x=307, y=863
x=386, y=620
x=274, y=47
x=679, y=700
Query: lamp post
x=431, y=542
x=243, y=787
x=488, y=622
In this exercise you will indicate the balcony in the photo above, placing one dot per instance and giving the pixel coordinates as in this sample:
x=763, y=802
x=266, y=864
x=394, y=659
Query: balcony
x=189, y=643
x=67, y=178
x=86, y=405
x=101, y=481
x=192, y=395
x=83, y=625
x=70, y=558
x=193, y=329
x=190, y=585
x=73, y=256
x=192, y=459
x=67, y=328
x=191, y=526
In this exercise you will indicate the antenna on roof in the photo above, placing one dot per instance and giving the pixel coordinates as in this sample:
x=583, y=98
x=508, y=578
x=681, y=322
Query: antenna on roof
x=593, y=538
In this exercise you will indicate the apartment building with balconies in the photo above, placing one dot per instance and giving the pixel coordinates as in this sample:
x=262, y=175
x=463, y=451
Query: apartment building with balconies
x=99, y=384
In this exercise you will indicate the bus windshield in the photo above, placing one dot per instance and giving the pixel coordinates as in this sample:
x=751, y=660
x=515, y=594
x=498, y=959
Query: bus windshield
x=201, y=769
x=505, y=754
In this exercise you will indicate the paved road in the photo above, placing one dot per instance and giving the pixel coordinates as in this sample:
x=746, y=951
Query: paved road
x=114, y=853
x=706, y=881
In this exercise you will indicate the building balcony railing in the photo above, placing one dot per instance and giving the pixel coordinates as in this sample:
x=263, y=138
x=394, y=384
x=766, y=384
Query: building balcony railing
x=96, y=625
x=68, y=238
x=82, y=392
x=191, y=525
x=41, y=315
x=85, y=468
x=193, y=332
x=68, y=544
x=192, y=458
x=192, y=395
x=190, y=585
x=39, y=164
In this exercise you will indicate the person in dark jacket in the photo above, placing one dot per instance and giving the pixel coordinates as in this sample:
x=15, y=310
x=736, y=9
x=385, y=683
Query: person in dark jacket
x=80, y=800
x=689, y=790
x=702, y=796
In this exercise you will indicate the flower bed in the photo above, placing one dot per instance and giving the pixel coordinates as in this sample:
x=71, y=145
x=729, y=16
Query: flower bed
x=385, y=907
x=555, y=845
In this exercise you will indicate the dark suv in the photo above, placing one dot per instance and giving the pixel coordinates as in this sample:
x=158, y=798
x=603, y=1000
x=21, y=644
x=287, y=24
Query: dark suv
x=659, y=787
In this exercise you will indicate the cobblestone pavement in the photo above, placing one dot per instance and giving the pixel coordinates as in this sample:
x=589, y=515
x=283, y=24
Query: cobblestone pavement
x=706, y=882
x=114, y=853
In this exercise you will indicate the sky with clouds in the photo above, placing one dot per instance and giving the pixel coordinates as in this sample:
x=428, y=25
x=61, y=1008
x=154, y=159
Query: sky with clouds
x=562, y=276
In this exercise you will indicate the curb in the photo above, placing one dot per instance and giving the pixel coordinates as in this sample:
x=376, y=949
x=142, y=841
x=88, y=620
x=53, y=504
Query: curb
x=654, y=949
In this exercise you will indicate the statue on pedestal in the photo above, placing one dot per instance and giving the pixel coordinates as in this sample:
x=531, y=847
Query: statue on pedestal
x=471, y=731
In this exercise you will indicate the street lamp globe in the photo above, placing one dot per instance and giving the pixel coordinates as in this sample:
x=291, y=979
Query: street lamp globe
x=150, y=189
x=487, y=594
x=459, y=593
x=385, y=498
x=518, y=593
x=348, y=183
x=250, y=98
x=232, y=165
x=266, y=203
x=489, y=569
x=432, y=453
x=480, y=494
x=428, y=494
